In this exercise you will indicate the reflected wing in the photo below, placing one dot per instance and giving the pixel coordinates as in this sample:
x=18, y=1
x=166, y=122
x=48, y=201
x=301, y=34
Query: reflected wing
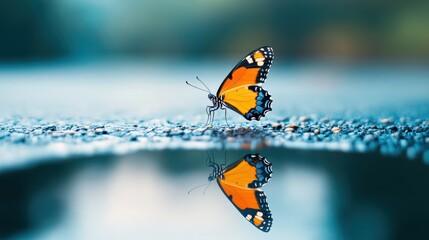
x=251, y=203
x=252, y=171
x=241, y=87
x=240, y=182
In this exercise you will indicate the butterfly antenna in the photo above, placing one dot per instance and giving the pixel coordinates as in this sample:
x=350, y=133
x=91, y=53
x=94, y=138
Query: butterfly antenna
x=208, y=185
x=198, y=187
x=224, y=158
x=197, y=87
x=203, y=83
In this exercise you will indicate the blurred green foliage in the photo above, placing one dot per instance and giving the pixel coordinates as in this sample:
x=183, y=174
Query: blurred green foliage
x=202, y=28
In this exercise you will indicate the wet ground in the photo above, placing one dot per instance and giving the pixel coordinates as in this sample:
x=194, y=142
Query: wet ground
x=29, y=140
x=120, y=145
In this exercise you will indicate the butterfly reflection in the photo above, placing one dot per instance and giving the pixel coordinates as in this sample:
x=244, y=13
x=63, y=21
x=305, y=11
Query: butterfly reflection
x=241, y=182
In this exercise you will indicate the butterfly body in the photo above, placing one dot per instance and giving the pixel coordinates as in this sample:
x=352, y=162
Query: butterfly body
x=241, y=90
x=241, y=182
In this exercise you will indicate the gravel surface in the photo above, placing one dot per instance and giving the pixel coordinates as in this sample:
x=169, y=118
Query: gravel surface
x=24, y=140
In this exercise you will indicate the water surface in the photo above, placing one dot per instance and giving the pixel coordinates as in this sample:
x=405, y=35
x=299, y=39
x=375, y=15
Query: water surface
x=312, y=195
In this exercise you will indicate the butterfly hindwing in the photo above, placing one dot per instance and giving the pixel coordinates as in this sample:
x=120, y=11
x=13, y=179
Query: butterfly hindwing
x=251, y=203
x=263, y=169
x=241, y=91
x=252, y=102
x=240, y=182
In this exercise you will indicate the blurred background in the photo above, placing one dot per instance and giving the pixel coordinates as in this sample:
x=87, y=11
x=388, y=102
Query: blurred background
x=112, y=57
x=298, y=30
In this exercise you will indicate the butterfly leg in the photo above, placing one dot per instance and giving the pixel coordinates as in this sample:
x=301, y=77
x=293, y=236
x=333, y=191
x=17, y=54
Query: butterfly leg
x=210, y=114
x=210, y=159
x=213, y=114
x=226, y=120
x=224, y=163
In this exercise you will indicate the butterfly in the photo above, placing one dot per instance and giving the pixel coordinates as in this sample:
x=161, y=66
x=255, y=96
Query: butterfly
x=241, y=182
x=241, y=90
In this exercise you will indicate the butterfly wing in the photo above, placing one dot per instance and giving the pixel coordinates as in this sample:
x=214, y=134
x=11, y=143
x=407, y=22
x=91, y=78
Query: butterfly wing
x=241, y=91
x=240, y=183
x=252, y=70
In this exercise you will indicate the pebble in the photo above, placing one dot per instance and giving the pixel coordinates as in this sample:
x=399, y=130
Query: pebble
x=316, y=131
x=336, y=129
x=276, y=125
x=69, y=132
x=99, y=130
x=289, y=129
x=58, y=134
x=303, y=119
x=385, y=120
x=293, y=125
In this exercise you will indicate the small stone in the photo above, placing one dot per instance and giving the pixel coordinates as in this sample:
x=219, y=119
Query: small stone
x=50, y=128
x=303, y=119
x=58, y=134
x=289, y=129
x=292, y=125
x=69, y=132
x=276, y=125
x=393, y=129
x=336, y=129
x=385, y=121
x=98, y=130
x=406, y=129
x=316, y=131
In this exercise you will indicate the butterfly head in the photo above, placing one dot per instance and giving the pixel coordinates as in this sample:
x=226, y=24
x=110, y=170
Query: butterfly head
x=217, y=171
x=211, y=97
x=211, y=177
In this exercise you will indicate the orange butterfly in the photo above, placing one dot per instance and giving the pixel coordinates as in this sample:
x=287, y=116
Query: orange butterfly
x=240, y=182
x=241, y=90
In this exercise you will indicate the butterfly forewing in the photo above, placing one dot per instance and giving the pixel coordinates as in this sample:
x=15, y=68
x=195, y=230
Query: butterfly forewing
x=241, y=91
x=252, y=70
